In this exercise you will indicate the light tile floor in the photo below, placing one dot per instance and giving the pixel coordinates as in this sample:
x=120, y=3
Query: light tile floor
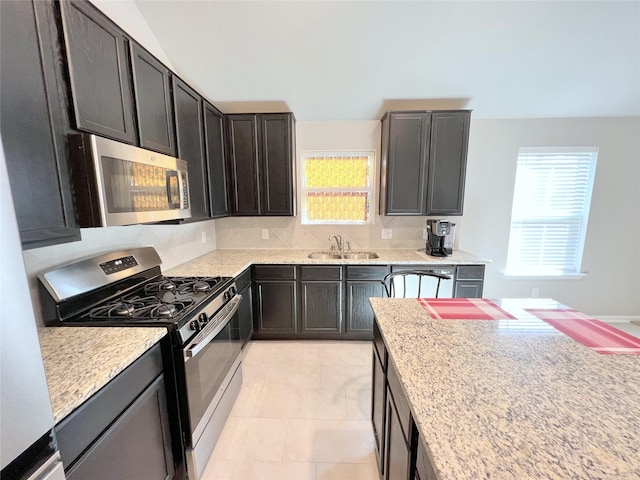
x=303, y=413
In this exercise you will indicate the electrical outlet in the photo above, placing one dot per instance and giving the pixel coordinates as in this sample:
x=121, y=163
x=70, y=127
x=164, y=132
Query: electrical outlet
x=204, y=237
x=387, y=234
x=535, y=292
x=425, y=234
x=265, y=234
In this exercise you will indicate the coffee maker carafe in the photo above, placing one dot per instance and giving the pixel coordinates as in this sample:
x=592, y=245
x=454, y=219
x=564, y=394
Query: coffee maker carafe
x=439, y=238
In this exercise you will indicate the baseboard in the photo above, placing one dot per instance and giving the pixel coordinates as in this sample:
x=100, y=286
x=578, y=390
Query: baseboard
x=618, y=318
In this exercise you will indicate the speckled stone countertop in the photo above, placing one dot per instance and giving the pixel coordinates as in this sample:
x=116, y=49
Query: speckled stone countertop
x=79, y=361
x=513, y=399
x=231, y=263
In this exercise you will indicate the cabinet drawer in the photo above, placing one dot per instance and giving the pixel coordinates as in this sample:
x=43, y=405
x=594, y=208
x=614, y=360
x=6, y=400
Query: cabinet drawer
x=322, y=272
x=367, y=272
x=470, y=272
x=274, y=272
x=243, y=279
x=402, y=406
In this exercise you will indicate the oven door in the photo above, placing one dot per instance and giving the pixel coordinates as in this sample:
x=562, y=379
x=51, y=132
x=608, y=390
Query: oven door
x=209, y=359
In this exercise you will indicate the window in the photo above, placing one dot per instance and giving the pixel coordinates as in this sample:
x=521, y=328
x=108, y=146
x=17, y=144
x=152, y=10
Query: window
x=550, y=211
x=337, y=187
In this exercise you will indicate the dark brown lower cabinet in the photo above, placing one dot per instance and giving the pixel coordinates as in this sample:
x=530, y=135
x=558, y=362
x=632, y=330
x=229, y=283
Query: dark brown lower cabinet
x=424, y=469
x=124, y=430
x=135, y=446
x=320, y=299
x=245, y=310
x=378, y=407
x=397, y=450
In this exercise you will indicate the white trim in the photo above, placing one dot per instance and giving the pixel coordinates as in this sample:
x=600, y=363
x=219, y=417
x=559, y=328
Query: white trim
x=568, y=276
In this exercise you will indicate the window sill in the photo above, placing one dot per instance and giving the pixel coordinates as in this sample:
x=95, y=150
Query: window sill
x=566, y=276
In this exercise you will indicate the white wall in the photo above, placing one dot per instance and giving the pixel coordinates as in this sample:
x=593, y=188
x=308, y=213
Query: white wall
x=612, y=249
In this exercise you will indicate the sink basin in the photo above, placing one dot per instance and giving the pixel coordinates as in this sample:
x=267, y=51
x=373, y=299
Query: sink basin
x=325, y=255
x=346, y=255
x=359, y=255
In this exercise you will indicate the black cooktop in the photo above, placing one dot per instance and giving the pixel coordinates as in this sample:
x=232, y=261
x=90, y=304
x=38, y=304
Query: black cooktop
x=160, y=301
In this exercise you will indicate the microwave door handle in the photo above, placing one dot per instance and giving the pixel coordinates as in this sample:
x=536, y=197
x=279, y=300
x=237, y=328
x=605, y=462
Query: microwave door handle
x=173, y=174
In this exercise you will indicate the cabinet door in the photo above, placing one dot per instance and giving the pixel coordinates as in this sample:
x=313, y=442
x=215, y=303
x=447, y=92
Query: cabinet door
x=243, y=165
x=378, y=408
x=359, y=312
x=276, y=162
x=214, y=152
x=152, y=89
x=405, y=145
x=33, y=122
x=245, y=314
x=468, y=289
x=321, y=307
x=277, y=307
x=97, y=56
x=136, y=445
x=189, y=134
x=447, y=162
x=398, y=455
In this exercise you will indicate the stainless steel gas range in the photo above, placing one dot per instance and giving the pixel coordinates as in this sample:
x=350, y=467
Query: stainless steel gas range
x=126, y=288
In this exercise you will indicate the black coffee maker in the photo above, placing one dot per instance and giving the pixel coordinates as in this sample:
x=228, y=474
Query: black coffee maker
x=439, y=238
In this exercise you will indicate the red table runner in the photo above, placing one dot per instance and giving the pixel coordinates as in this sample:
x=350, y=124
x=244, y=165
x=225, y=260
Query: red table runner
x=590, y=332
x=463, y=309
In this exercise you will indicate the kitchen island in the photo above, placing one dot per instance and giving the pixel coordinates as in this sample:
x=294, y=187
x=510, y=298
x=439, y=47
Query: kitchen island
x=512, y=399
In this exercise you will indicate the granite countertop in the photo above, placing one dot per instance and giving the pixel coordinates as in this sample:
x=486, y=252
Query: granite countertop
x=513, y=399
x=79, y=361
x=231, y=263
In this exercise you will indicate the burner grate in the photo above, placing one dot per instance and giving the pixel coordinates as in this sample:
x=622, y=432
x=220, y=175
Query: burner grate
x=140, y=308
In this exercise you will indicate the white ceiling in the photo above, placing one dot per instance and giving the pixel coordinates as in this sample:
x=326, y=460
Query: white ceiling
x=353, y=60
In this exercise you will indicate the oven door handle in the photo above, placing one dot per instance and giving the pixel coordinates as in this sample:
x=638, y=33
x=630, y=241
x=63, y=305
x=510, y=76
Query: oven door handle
x=215, y=325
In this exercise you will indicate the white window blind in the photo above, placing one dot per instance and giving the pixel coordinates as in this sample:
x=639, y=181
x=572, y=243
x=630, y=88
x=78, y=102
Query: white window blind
x=550, y=210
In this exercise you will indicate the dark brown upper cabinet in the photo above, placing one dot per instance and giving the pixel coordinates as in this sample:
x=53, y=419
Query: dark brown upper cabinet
x=152, y=91
x=33, y=121
x=187, y=106
x=423, y=163
x=214, y=153
x=97, y=56
x=260, y=164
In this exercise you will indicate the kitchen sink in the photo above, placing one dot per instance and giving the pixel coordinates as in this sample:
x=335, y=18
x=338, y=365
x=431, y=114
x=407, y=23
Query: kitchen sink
x=359, y=255
x=346, y=255
x=325, y=255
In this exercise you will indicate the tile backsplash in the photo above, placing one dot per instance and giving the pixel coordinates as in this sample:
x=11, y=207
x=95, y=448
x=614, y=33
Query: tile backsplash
x=288, y=232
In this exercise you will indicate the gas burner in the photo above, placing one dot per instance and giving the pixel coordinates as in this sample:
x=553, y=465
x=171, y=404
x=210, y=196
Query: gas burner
x=200, y=286
x=113, y=310
x=162, y=285
x=195, y=284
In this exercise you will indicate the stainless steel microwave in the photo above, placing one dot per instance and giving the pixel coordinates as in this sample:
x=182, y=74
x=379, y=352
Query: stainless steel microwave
x=119, y=184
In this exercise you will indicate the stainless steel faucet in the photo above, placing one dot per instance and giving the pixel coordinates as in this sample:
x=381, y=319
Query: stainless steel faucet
x=339, y=242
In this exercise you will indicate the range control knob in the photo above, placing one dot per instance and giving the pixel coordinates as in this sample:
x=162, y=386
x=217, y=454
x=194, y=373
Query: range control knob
x=203, y=318
x=232, y=291
x=227, y=296
x=194, y=325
